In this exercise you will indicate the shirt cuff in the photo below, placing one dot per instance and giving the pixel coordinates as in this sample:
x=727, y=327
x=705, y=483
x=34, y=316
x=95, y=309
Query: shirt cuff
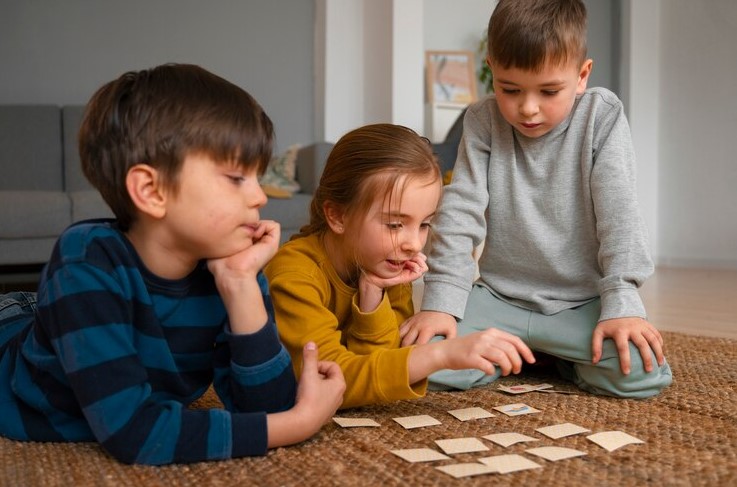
x=621, y=303
x=254, y=348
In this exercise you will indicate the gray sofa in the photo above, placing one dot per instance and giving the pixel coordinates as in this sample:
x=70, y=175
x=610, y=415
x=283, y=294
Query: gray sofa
x=43, y=190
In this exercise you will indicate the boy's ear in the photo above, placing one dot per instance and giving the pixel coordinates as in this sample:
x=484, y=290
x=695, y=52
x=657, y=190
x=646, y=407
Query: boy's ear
x=583, y=76
x=334, y=217
x=145, y=189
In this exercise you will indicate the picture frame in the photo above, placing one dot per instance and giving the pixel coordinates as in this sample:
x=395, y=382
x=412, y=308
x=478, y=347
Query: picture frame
x=451, y=77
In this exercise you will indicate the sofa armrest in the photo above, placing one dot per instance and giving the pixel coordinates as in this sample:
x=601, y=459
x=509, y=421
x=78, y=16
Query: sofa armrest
x=310, y=163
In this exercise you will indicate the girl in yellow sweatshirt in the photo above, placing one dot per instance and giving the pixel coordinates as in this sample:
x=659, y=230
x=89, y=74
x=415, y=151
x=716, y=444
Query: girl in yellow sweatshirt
x=345, y=281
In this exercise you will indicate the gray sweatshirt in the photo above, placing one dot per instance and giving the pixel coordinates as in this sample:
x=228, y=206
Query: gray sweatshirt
x=557, y=214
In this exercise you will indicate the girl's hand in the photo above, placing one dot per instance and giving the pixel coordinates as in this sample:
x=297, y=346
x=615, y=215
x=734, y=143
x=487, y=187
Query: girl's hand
x=414, y=268
x=371, y=286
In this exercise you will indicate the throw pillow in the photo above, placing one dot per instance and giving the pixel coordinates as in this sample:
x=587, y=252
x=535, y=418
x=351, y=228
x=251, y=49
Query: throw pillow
x=279, y=179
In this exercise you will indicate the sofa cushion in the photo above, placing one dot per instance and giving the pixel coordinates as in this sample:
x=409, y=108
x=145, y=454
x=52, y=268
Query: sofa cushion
x=291, y=213
x=279, y=179
x=88, y=204
x=34, y=214
x=74, y=179
x=30, y=148
x=24, y=251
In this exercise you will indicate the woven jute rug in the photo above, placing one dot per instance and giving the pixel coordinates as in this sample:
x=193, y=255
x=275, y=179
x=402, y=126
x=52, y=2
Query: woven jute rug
x=690, y=434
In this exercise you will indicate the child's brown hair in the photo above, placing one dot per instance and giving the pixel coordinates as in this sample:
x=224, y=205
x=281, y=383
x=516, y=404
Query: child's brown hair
x=367, y=162
x=157, y=117
x=528, y=34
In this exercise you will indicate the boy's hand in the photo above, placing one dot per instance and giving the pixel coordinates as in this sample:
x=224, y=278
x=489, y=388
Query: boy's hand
x=624, y=330
x=321, y=387
x=250, y=260
x=319, y=395
x=421, y=327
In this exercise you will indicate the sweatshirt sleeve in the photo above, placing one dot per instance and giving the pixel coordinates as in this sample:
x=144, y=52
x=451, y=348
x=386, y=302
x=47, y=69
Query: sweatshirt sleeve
x=623, y=252
x=375, y=371
x=460, y=224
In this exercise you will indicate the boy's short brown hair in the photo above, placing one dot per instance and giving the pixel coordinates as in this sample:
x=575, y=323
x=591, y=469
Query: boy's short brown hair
x=157, y=117
x=528, y=34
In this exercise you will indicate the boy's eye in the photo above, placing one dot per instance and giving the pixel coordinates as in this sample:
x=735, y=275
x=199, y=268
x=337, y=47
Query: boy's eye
x=237, y=179
x=510, y=91
x=550, y=92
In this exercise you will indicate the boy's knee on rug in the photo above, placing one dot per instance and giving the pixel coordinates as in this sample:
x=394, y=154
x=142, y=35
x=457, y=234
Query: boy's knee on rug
x=607, y=378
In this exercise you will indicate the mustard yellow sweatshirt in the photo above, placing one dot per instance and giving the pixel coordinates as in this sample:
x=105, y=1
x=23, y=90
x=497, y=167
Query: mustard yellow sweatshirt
x=313, y=304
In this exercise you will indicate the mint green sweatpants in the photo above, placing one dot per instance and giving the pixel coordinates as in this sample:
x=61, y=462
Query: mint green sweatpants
x=565, y=335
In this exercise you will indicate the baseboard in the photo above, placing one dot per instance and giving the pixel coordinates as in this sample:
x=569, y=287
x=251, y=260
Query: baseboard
x=696, y=262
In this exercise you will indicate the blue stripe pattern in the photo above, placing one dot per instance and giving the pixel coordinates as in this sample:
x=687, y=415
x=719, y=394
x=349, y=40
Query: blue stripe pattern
x=115, y=354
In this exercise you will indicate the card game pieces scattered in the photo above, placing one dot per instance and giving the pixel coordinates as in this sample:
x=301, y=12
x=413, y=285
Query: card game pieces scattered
x=461, y=445
x=509, y=463
x=468, y=414
x=555, y=453
x=523, y=388
x=562, y=430
x=420, y=421
x=508, y=439
x=517, y=409
x=611, y=440
x=355, y=422
x=414, y=455
x=459, y=470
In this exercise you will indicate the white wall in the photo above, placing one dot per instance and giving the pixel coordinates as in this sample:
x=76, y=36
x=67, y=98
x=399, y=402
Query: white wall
x=683, y=112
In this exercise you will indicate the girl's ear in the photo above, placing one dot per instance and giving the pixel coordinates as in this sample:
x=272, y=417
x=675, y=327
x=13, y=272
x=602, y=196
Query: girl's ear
x=334, y=217
x=144, y=186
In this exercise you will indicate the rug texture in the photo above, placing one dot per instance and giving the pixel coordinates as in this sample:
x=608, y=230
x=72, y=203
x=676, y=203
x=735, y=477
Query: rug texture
x=690, y=434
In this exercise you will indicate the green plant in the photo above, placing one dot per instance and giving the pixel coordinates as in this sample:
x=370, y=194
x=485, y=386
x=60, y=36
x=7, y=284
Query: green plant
x=484, y=72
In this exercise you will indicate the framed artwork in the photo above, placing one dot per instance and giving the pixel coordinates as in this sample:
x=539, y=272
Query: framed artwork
x=451, y=77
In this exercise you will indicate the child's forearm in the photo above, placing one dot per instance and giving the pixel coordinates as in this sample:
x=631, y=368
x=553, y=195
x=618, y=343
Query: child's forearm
x=289, y=427
x=424, y=360
x=245, y=305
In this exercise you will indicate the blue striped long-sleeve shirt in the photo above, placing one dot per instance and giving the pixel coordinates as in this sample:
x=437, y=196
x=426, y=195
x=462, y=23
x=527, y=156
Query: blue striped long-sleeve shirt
x=115, y=354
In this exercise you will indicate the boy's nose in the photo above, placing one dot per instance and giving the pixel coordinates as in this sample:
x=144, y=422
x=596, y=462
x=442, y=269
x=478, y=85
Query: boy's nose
x=528, y=107
x=256, y=197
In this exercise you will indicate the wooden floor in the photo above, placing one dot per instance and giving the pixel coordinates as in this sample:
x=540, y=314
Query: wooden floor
x=694, y=301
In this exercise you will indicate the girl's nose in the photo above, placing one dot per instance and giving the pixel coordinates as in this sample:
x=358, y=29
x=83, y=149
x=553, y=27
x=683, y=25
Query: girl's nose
x=412, y=242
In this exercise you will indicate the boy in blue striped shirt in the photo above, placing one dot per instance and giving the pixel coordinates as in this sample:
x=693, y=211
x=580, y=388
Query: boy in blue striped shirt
x=137, y=316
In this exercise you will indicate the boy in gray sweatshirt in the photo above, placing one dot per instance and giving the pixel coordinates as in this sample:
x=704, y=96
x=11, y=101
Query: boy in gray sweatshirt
x=545, y=179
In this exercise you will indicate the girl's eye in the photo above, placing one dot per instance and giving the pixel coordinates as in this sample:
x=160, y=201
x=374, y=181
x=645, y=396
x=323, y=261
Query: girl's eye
x=394, y=225
x=426, y=225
